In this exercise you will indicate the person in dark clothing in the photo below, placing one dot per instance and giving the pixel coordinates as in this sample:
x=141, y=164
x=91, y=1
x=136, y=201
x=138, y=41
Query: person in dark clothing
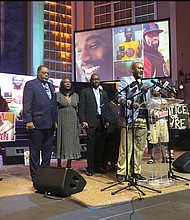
x=68, y=144
x=94, y=119
x=40, y=118
x=113, y=137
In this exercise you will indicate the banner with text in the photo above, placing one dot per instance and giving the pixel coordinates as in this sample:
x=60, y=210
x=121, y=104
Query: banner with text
x=179, y=116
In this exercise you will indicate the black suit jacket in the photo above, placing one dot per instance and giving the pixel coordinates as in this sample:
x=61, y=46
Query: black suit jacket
x=37, y=107
x=88, y=107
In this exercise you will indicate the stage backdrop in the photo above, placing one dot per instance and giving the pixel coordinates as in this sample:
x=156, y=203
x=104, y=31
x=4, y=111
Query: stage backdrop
x=12, y=89
x=106, y=51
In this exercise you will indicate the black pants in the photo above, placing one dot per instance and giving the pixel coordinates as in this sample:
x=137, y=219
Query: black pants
x=96, y=137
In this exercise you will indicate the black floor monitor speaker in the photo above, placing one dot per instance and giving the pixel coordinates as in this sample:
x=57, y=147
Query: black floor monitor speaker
x=182, y=163
x=58, y=181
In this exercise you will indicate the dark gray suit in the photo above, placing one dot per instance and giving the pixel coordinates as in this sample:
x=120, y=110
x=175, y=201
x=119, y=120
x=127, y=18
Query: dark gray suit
x=96, y=132
x=42, y=111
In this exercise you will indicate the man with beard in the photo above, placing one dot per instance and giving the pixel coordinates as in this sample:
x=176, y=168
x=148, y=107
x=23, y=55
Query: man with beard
x=130, y=49
x=154, y=63
x=134, y=125
x=94, y=55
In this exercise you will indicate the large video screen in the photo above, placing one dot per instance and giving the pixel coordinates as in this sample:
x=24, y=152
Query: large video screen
x=12, y=86
x=110, y=51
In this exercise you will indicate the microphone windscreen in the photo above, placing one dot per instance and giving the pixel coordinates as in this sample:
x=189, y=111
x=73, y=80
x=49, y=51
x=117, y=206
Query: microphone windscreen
x=153, y=81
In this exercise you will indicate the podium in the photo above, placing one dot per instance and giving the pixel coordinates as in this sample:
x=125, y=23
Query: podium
x=173, y=107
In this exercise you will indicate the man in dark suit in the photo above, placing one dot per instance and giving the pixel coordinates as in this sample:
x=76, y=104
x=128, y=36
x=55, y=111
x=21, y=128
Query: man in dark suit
x=40, y=117
x=94, y=119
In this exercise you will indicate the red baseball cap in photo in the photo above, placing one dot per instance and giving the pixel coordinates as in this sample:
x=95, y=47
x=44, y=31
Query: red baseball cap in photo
x=149, y=27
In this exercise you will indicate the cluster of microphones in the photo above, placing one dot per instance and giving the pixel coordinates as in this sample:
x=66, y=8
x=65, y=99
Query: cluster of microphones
x=156, y=85
x=164, y=85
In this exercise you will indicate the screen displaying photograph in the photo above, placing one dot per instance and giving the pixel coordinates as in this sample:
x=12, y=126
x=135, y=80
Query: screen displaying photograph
x=109, y=52
x=7, y=126
x=94, y=54
x=12, y=86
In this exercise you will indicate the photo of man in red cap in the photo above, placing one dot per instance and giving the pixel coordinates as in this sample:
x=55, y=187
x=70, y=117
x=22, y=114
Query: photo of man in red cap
x=154, y=63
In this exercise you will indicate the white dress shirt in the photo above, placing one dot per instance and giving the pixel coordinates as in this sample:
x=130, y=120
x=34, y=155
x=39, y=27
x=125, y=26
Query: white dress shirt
x=97, y=95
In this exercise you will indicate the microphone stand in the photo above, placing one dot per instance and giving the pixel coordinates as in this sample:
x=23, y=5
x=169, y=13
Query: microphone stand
x=131, y=181
x=113, y=97
x=127, y=176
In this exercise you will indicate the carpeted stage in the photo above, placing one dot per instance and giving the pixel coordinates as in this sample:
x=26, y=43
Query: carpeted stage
x=16, y=181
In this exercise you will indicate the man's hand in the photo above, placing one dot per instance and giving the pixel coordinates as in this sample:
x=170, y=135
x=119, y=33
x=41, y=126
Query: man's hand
x=148, y=135
x=139, y=48
x=120, y=55
x=107, y=125
x=30, y=125
x=84, y=125
x=135, y=105
x=56, y=125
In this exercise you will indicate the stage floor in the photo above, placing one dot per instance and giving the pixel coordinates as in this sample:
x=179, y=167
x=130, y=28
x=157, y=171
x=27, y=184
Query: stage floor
x=165, y=205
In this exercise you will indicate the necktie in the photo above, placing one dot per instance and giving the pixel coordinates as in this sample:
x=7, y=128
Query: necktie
x=97, y=95
x=48, y=91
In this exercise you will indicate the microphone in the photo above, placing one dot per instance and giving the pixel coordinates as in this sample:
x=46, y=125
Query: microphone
x=131, y=85
x=146, y=87
x=169, y=88
x=134, y=83
x=156, y=83
x=164, y=86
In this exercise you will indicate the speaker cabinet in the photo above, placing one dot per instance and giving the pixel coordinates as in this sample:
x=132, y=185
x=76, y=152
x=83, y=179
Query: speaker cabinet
x=182, y=163
x=58, y=181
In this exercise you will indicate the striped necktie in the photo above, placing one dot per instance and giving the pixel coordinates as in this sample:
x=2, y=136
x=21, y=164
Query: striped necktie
x=48, y=91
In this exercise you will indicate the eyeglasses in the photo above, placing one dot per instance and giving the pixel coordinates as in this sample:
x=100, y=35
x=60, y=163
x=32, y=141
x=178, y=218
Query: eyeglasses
x=45, y=72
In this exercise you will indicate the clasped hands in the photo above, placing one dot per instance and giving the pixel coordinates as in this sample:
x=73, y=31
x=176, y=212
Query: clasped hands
x=135, y=105
x=85, y=125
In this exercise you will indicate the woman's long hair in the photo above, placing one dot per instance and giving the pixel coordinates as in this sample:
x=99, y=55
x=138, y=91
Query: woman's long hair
x=62, y=88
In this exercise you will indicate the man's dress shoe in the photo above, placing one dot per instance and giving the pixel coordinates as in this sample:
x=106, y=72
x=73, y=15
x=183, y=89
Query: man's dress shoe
x=89, y=173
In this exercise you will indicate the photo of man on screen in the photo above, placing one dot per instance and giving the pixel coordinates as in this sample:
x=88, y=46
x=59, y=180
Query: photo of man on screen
x=154, y=62
x=129, y=49
x=17, y=94
x=94, y=54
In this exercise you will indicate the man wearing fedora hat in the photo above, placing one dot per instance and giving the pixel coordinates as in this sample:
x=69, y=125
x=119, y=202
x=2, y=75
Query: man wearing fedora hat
x=154, y=63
